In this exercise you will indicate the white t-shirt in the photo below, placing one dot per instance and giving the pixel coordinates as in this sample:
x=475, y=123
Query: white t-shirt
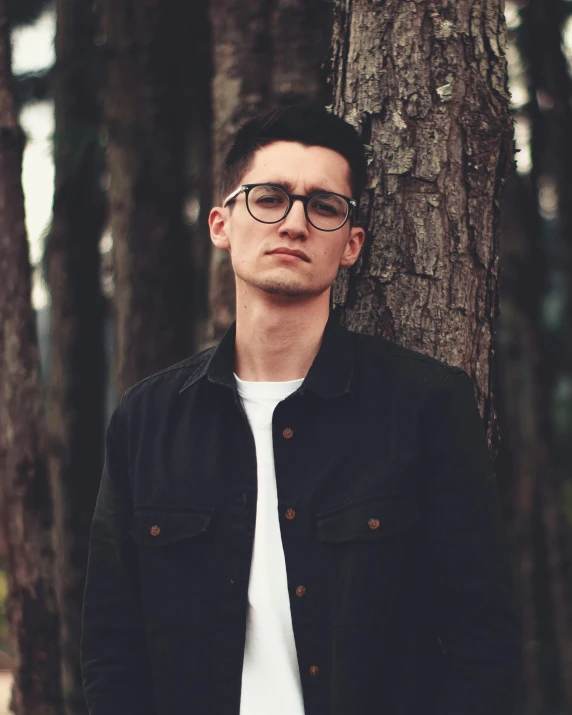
x=270, y=675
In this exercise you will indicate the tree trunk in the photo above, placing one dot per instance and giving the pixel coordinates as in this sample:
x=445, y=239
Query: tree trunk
x=523, y=451
x=26, y=512
x=550, y=80
x=537, y=521
x=265, y=54
x=550, y=114
x=199, y=197
x=76, y=376
x=146, y=103
x=426, y=86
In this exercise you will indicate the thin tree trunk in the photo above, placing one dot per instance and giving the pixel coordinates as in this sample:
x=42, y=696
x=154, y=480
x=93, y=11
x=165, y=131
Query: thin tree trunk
x=26, y=513
x=550, y=88
x=523, y=451
x=146, y=102
x=266, y=53
x=76, y=377
x=199, y=195
x=550, y=79
x=426, y=86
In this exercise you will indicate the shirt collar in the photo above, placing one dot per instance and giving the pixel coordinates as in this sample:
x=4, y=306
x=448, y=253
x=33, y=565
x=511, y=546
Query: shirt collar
x=330, y=375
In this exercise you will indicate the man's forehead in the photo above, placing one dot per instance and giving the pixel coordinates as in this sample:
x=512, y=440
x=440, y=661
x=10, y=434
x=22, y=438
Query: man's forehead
x=294, y=165
x=304, y=186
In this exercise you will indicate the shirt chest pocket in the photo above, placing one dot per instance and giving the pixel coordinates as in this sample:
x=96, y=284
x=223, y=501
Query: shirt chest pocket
x=367, y=549
x=173, y=553
x=371, y=519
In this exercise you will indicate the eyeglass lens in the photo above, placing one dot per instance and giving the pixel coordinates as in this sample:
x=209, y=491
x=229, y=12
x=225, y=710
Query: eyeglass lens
x=269, y=204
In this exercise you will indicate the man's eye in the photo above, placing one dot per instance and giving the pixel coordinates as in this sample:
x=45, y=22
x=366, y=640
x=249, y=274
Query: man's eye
x=326, y=208
x=272, y=200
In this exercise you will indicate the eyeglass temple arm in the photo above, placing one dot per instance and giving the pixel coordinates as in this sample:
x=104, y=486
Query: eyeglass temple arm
x=233, y=195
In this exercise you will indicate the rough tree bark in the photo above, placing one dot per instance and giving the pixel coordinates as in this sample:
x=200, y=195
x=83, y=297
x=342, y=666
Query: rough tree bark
x=76, y=376
x=146, y=101
x=265, y=54
x=26, y=510
x=425, y=83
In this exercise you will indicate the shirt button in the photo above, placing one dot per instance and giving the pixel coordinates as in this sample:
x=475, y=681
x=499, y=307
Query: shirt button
x=155, y=530
x=373, y=523
x=314, y=670
x=290, y=514
x=301, y=591
x=288, y=433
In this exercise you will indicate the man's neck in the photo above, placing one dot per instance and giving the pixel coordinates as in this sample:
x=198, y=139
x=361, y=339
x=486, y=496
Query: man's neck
x=278, y=341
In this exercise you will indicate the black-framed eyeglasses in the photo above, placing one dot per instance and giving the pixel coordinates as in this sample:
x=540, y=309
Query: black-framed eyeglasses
x=270, y=203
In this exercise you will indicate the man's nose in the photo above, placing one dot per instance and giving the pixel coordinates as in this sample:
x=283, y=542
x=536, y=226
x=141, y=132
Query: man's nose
x=295, y=223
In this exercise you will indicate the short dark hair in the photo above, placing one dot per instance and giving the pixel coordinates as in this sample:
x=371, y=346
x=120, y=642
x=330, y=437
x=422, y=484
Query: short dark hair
x=308, y=124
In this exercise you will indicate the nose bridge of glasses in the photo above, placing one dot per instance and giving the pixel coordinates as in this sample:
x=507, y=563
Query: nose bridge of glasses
x=303, y=199
x=292, y=198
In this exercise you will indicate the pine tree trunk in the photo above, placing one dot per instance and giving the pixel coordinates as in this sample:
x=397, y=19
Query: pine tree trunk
x=76, y=377
x=265, y=54
x=550, y=111
x=146, y=102
x=199, y=197
x=522, y=452
x=26, y=510
x=426, y=86
x=552, y=82
x=527, y=454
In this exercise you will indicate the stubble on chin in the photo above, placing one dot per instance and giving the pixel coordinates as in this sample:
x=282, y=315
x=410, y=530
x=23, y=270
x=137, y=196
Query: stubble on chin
x=289, y=288
x=284, y=284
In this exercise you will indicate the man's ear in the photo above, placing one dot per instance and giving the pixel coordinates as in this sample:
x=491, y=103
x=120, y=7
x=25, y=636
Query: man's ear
x=218, y=219
x=353, y=246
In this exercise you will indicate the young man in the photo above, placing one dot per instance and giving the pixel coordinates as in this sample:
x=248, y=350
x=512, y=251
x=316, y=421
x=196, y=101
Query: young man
x=301, y=519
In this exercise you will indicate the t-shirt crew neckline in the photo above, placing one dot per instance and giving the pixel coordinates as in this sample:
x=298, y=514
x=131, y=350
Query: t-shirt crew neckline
x=267, y=390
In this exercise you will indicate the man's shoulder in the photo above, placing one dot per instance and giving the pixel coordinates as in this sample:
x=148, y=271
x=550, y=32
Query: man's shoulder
x=170, y=379
x=402, y=364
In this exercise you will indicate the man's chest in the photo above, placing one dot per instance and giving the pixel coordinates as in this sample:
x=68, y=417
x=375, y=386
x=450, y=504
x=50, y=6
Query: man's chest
x=326, y=453
x=346, y=501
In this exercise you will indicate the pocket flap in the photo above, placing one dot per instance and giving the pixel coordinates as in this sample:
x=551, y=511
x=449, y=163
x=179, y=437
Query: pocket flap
x=367, y=520
x=153, y=527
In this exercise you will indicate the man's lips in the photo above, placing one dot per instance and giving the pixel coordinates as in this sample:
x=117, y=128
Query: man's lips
x=291, y=252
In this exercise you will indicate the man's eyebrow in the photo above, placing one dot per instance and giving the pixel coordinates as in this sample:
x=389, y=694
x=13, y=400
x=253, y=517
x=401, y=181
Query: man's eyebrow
x=289, y=186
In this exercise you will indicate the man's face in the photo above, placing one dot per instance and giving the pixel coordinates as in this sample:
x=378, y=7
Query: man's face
x=303, y=170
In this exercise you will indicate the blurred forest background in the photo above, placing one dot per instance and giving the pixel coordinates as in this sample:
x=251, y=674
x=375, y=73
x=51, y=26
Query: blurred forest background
x=126, y=107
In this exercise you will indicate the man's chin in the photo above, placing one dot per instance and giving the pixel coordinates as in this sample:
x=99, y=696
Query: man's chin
x=283, y=284
x=287, y=288
x=286, y=291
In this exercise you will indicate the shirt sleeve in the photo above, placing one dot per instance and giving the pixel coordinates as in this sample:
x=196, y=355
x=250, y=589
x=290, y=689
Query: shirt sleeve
x=478, y=616
x=114, y=656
